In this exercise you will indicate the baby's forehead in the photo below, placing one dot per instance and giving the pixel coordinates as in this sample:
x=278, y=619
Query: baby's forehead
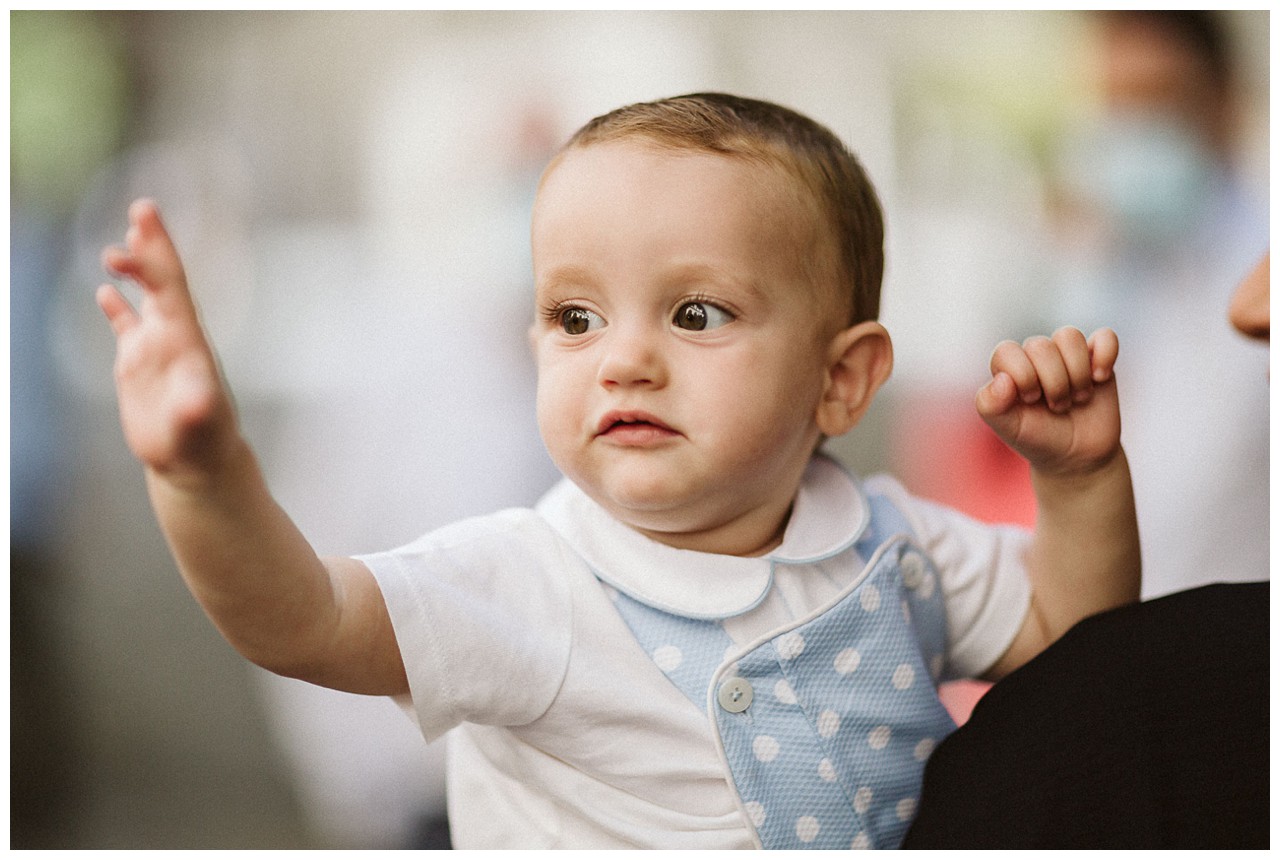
x=770, y=182
x=771, y=188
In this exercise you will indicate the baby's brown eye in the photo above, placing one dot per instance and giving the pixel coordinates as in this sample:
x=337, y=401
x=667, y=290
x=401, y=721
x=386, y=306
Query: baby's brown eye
x=697, y=316
x=579, y=320
x=692, y=317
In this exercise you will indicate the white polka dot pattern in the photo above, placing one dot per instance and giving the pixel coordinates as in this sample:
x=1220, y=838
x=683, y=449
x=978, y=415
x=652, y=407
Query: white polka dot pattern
x=828, y=723
x=807, y=828
x=765, y=748
x=903, y=676
x=790, y=646
x=847, y=661
x=668, y=658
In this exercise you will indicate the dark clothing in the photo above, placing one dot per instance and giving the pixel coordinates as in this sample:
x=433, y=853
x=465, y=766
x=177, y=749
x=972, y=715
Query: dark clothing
x=1143, y=727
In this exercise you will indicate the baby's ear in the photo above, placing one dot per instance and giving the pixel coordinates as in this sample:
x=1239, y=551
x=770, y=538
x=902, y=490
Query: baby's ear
x=859, y=360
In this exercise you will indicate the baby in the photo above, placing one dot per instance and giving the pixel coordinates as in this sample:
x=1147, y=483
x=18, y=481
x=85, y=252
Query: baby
x=708, y=635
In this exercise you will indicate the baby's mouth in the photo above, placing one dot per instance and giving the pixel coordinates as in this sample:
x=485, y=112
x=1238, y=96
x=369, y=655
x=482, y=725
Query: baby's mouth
x=633, y=428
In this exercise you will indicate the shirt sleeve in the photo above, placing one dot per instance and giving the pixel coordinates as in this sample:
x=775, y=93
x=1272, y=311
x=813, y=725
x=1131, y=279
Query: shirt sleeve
x=982, y=571
x=482, y=616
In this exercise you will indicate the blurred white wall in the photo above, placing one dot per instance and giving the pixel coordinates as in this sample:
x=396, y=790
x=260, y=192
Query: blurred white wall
x=350, y=192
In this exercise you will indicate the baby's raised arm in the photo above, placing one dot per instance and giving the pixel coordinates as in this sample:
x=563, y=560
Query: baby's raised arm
x=257, y=577
x=1054, y=401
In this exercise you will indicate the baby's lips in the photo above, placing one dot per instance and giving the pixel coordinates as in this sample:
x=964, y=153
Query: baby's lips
x=616, y=417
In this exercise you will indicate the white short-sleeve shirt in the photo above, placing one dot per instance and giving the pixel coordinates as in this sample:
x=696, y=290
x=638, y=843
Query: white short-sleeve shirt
x=566, y=733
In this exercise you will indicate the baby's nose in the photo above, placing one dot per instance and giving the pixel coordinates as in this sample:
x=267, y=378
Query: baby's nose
x=631, y=357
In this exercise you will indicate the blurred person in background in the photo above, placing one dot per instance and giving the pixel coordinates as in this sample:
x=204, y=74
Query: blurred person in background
x=1156, y=228
x=1142, y=727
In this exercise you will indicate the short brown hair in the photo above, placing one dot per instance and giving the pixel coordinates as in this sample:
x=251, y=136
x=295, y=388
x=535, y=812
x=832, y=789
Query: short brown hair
x=804, y=149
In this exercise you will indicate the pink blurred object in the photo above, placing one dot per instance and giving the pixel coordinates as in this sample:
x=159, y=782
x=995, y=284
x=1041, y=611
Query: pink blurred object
x=959, y=697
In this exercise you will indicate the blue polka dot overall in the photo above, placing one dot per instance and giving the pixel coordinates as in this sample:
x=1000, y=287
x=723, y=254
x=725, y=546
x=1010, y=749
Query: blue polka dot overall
x=826, y=725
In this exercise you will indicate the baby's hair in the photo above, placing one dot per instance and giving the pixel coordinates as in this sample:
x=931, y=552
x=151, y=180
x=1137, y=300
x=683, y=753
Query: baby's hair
x=805, y=150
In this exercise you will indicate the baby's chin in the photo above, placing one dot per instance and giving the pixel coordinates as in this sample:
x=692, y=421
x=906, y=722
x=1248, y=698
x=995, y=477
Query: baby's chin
x=646, y=512
x=652, y=510
x=700, y=525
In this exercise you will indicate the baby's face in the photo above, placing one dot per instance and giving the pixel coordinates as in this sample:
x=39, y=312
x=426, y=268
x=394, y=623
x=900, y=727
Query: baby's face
x=681, y=346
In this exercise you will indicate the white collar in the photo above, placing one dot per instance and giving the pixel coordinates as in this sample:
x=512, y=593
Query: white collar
x=829, y=515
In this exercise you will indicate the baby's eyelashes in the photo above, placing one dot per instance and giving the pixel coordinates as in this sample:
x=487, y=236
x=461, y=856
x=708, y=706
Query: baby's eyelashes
x=572, y=319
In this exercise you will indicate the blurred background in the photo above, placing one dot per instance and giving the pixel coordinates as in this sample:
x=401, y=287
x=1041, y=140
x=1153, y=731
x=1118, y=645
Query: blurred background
x=351, y=194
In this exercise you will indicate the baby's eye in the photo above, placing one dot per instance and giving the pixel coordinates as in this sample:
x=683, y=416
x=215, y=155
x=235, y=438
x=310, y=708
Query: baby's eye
x=697, y=316
x=579, y=320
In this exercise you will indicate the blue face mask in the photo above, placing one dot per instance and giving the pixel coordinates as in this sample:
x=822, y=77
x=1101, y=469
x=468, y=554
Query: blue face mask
x=1148, y=176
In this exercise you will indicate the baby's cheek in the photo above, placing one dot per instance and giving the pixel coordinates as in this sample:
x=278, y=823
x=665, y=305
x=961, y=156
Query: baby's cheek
x=560, y=419
x=549, y=413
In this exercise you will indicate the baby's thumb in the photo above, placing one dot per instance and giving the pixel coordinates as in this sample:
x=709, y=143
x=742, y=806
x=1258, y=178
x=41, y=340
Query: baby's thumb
x=996, y=403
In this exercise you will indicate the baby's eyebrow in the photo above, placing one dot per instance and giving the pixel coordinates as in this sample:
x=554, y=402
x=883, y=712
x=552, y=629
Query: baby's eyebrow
x=716, y=276
x=690, y=275
x=568, y=276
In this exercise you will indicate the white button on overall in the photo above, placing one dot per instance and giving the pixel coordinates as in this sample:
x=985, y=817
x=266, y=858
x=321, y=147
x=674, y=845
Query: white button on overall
x=735, y=695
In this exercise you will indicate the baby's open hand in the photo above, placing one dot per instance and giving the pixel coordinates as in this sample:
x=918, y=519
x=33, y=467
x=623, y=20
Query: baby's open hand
x=175, y=412
x=1053, y=400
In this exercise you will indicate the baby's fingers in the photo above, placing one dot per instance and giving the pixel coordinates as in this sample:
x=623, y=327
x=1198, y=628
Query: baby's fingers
x=1073, y=349
x=997, y=397
x=1011, y=359
x=998, y=404
x=119, y=312
x=1051, y=371
x=150, y=259
x=1104, y=348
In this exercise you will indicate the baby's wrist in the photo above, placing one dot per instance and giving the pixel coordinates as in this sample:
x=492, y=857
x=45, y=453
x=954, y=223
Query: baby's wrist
x=1082, y=476
x=220, y=461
